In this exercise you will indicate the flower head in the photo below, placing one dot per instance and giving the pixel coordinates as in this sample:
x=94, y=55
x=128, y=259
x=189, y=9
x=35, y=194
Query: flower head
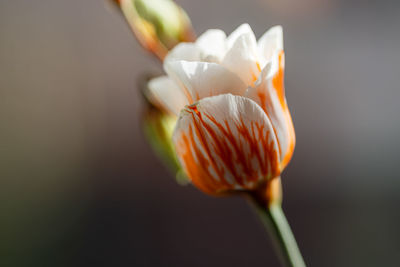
x=234, y=130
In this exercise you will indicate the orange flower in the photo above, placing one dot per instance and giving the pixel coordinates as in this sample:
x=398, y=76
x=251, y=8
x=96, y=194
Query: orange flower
x=234, y=130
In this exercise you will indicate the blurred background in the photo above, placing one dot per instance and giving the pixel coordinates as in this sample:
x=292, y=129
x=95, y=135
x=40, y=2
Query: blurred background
x=79, y=186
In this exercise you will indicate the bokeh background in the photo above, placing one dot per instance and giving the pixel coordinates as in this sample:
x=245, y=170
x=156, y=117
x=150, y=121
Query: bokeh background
x=79, y=186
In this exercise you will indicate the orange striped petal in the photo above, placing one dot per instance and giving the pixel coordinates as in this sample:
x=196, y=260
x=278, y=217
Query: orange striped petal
x=269, y=93
x=225, y=143
x=203, y=79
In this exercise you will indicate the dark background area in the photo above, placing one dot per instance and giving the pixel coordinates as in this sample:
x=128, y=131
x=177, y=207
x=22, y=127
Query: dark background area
x=79, y=186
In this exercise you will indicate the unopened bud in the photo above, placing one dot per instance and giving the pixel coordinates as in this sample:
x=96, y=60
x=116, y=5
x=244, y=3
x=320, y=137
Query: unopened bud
x=158, y=127
x=159, y=25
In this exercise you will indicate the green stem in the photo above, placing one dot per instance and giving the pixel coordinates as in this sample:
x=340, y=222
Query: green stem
x=276, y=224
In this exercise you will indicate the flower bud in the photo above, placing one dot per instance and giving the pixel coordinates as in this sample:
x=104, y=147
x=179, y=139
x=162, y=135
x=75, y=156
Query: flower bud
x=158, y=127
x=159, y=25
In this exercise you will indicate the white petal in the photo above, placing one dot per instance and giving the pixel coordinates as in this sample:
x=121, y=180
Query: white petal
x=203, y=79
x=242, y=58
x=213, y=45
x=166, y=94
x=270, y=43
x=184, y=51
x=269, y=93
x=239, y=31
x=225, y=143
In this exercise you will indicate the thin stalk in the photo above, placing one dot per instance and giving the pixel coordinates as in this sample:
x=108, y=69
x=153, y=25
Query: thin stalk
x=276, y=224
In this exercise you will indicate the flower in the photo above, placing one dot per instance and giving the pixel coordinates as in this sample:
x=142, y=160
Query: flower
x=234, y=130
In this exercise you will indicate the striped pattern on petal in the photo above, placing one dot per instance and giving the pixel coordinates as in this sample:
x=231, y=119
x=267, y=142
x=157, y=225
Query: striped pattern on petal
x=225, y=143
x=269, y=93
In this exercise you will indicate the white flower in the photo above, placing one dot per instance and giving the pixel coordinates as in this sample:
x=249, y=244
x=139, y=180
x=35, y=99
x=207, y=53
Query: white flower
x=234, y=129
